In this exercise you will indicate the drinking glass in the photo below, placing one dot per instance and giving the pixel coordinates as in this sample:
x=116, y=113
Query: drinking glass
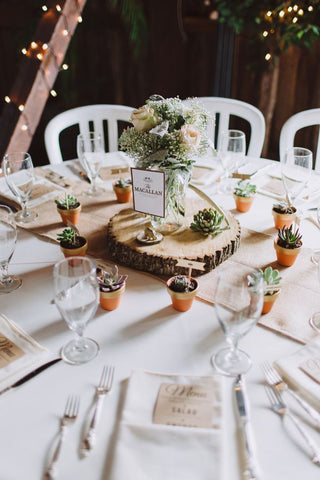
x=90, y=153
x=231, y=152
x=314, y=320
x=238, y=304
x=8, y=239
x=18, y=171
x=296, y=168
x=76, y=295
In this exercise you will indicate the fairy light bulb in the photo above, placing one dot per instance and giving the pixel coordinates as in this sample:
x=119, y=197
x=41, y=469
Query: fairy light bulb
x=265, y=33
x=45, y=46
x=295, y=8
x=290, y=9
x=268, y=57
x=58, y=8
x=269, y=13
x=281, y=14
x=40, y=56
x=294, y=20
x=300, y=12
x=79, y=19
x=65, y=32
x=53, y=93
x=7, y=99
x=310, y=8
x=24, y=51
x=33, y=45
x=44, y=8
x=21, y=108
x=24, y=128
x=64, y=66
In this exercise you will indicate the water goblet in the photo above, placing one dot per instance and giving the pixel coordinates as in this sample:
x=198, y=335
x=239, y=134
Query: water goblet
x=19, y=175
x=296, y=168
x=231, y=151
x=76, y=295
x=238, y=303
x=8, y=239
x=90, y=153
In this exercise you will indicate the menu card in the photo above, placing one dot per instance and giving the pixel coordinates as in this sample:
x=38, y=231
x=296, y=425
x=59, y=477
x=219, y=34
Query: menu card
x=148, y=188
x=9, y=351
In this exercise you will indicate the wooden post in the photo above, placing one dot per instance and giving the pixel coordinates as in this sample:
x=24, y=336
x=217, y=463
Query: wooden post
x=39, y=69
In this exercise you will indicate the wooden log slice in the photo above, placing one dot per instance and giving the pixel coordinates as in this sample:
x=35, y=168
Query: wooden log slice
x=184, y=243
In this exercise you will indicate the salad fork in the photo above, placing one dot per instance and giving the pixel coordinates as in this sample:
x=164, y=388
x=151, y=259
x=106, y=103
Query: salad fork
x=274, y=380
x=69, y=416
x=102, y=389
x=279, y=407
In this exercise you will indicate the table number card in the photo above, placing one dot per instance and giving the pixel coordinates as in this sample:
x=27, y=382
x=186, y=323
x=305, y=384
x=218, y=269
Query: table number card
x=311, y=367
x=148, y=188
x=9, y=351
x=184, y=405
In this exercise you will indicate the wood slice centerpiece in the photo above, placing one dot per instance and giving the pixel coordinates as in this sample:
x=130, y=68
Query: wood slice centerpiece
x=184, y=243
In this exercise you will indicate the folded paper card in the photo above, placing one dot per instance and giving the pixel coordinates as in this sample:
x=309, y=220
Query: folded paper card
x=19, y=353
x=146, y=450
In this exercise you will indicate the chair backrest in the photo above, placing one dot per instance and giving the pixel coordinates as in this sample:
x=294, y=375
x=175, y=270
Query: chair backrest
x=306, y=118
x=88, y=118
x=227, y=107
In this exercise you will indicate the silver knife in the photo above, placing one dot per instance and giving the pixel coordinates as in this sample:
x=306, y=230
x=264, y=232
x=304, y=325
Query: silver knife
x=251, y=467
x=30, y=375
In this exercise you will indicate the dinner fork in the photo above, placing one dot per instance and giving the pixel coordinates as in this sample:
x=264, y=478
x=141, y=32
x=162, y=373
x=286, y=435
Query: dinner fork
x=102, y=389
x=68, y=418
x=279, y=407
x=274, y=380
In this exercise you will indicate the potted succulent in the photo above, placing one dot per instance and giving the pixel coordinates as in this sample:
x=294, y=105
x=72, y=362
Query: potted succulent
x=271, y=284
x=208, y=222
x=123, y=190
x=71, y=242
x=244, y=194
x=182, y=290
x=69, y=208
x=283, y=214
x=112, y=286
x=288, y=245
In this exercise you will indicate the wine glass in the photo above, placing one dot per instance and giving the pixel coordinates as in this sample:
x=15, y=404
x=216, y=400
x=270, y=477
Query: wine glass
x=19, y=174
x=296, y=168
x=90, y=153
x=231, y=152
x=8, y=239
x=238, y=304
x=314, y=320
x=76, y=295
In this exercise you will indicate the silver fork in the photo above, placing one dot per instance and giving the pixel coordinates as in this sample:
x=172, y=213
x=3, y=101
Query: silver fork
x=281, y=409
x=274, y=380
x=69, y=416
x=102, y=389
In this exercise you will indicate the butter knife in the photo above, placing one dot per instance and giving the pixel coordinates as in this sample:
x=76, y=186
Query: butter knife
x=30, y=375
x=251, y=467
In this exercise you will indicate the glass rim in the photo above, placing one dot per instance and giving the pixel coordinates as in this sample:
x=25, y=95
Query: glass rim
x=237, y=133
x=301, y=151
x=70, y=259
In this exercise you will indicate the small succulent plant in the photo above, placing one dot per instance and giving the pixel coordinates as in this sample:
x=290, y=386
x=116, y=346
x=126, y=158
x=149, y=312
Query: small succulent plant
x=182, y=283
x=69, y=236
x=68, y=202
x=123, y=183
x=271, y=279
x=208, y=222
x=283, y=207
x=289, y=237
x=109, y=280
x=245, y=189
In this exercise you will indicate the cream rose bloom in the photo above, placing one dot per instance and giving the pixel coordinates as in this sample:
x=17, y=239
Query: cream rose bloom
x=144, y=118
x=190, y=136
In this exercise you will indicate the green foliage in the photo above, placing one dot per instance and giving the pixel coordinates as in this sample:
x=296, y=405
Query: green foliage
x=182, y=283
x=289, y=237
x=283, y=207
x=245, y=189
x=67, y=236
x=123, y=183
x=109, y=280
x=208, y=222
x=68, y=202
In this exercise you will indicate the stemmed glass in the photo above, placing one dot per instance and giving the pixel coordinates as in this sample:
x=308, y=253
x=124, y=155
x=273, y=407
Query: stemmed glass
x=90, y=153
x=231, y=152
x=19, y=175
x=76, y=295
x=238, y=304
x=296, y=168
x=8, y=239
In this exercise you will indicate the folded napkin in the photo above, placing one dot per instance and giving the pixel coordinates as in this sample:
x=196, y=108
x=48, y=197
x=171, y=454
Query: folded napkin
x=145, y=450
x=19, y=353
x=291, y=369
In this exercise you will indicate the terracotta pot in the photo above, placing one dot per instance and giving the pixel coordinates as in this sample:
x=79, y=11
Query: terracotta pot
x=243, y=204
x=124, y=194
x=111, y=300
x=268, y=301
x=286, y=256
x=182, y=301
x=72, y=214
x=75, y=252
x=283, y=219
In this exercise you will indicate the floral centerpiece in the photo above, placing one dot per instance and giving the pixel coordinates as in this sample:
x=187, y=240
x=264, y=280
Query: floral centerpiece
x=168, y=134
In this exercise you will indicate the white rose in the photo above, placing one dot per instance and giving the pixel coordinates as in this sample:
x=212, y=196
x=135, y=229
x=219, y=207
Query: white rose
x=190, y=136
x=144, y=118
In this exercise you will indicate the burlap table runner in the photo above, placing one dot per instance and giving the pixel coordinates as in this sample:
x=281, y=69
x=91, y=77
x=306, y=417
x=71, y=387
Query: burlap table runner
x=300, y=294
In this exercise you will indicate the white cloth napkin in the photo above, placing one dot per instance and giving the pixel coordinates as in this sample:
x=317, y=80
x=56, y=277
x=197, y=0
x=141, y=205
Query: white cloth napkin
x=34, y=354
x=289, y=369
x=147, y=451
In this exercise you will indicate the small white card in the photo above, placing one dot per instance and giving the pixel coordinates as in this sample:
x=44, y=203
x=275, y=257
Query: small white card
x=148, y=188
x=311, y=367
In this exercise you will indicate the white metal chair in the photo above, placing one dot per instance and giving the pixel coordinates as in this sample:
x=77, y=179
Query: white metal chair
x=306, y=118
x=227, y=107
x=90, y=117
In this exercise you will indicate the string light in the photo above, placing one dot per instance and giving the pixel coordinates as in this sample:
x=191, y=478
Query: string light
x=24, y=127
x=65, y=32
x=79, y=19
x=65, y=66
x=58, y=8
x=310, y=8
x=7, y=99
x=290, y=9
x=265, y=33
x=53, y=93
x=33, y=45
x=44, y=8
x=294, y=20
x=21, y=108
x=295, y=8
x=45, y=46
x=268, y=56
x=24, y=51
x=300, y=12
x=269, y=13
x=281, y=14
